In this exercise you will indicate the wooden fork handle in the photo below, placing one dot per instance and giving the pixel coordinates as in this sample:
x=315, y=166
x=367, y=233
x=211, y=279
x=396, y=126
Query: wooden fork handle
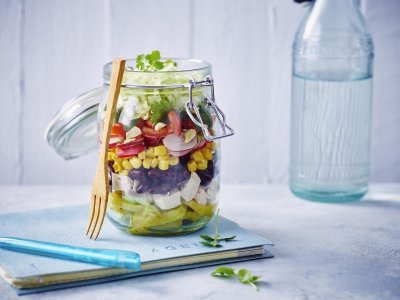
x=118, y=69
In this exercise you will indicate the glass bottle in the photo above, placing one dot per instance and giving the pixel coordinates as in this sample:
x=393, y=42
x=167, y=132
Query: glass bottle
x=331, y=103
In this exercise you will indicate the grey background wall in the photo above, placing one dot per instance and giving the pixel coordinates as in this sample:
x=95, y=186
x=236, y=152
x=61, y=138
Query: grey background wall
x=52, y=50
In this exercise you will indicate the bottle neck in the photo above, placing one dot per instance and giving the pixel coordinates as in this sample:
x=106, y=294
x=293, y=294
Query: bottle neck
x=333, y=42
x=335, y=17
x=337, y=6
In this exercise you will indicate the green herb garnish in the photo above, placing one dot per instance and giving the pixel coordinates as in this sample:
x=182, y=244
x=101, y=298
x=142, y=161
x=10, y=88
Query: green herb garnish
x=224, y=272
x=215, y=241
x=152, y=62
x=244, y=276
x=159, y=109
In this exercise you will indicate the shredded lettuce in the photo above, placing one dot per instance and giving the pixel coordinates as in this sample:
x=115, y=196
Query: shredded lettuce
x=142, y=103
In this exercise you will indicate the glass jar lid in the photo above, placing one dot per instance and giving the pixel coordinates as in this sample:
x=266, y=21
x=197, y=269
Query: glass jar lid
x=72, y=131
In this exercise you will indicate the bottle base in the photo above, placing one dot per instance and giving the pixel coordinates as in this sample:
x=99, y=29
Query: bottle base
x=329, y=196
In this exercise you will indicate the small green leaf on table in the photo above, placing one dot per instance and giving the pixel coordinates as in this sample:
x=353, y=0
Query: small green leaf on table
x=224, y=272
x=244, y=276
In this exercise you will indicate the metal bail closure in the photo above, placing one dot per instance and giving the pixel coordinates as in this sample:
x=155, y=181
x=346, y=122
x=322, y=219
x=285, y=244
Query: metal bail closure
x=210, y=103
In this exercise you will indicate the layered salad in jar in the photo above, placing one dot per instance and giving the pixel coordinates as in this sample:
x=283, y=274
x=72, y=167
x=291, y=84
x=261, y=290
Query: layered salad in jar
x=163, y=172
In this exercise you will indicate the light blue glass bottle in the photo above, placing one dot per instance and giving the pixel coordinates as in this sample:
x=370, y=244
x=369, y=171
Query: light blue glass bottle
x=331, y=103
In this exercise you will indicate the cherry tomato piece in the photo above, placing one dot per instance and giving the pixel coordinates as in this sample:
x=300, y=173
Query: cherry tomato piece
x=118, y=130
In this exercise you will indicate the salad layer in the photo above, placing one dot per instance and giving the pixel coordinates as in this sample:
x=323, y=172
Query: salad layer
x=162, y=171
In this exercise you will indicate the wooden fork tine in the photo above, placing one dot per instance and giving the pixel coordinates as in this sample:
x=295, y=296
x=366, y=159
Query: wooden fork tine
x=103, y=207
x=95, y=217
x=91, y=214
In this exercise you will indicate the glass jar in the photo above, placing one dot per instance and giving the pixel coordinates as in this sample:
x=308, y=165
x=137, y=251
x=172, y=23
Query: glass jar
x=163, y=155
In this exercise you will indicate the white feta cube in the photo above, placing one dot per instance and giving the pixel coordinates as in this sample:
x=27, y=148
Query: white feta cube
x=189, y=190
x=201, y=196
x=165, y=202
x=122, y=183
x=212, y=192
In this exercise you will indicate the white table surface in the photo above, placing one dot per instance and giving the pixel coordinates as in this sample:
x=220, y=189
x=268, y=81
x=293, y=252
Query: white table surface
x=322, y=251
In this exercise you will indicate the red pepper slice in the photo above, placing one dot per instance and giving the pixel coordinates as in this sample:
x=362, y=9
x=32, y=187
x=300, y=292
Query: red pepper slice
x=114, y=141
x=130, y=151
x=150, y=132
x=137, y=141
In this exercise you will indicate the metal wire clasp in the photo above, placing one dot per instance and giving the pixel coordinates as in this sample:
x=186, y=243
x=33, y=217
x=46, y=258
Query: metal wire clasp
x=210, y=103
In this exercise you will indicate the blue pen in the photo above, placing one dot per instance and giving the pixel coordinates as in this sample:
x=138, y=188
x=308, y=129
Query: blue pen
x=107, y=258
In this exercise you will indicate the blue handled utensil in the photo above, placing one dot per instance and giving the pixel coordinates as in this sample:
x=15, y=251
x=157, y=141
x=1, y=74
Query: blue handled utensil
x=107, y=258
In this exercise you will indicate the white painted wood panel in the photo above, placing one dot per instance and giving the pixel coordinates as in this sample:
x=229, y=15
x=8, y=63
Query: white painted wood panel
x=234, y=37
x=64, y=50
x=285, y=19
x=249, y=44
x=10, y=86
x=43, y=43
x=140, y=26
x=384, y=23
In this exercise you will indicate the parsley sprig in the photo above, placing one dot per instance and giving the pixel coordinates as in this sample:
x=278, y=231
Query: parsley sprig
x=217, y=238
x=152, y=62
x=244, y=276
x=159, y=110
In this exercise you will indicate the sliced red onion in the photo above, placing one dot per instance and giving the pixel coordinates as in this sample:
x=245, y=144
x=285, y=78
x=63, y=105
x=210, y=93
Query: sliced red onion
x=179, y=153
x=176, y=143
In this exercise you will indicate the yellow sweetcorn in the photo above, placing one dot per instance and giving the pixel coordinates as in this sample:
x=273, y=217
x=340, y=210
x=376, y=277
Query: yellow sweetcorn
x=160, y=150
x=197, y=156
x=136, y=162
x=192, y=166
x=150, y=152
x=111, y=155
x=124, y=172
x=142, y=155
x=117, y=166
x=163, y=157
x=202, y=165
x=118, y=159
x=207, y=154
x=211, y=145
x=163, y=165
x=154, y=162
x=127, y=165
x=173, y=161
x=147, y=163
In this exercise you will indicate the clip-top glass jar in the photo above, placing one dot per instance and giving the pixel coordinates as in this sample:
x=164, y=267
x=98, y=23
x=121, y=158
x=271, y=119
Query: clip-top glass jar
x=163, y=157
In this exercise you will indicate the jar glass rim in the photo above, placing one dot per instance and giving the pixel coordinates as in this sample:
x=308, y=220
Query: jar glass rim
x=184, y=65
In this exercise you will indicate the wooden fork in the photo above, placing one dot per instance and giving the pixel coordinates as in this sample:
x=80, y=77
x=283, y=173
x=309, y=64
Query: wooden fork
x=100, y=186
